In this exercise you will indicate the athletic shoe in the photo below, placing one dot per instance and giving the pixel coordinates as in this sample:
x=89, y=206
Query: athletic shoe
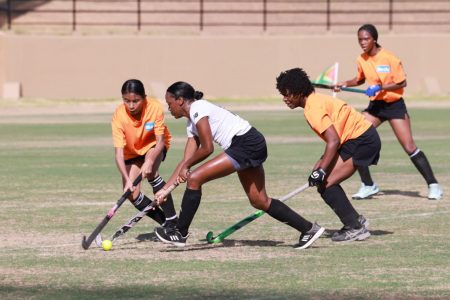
x=306, y=239
x=347, y=234
x=366, y=191
x=435, y=191
x=363, y=221
x=171, y=236
x=170, y=223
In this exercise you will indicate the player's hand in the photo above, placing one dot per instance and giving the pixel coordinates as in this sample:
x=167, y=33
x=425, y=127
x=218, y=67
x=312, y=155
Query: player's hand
x=338, y=86
x=317, y=177
x=160, y=196
x=372, y=90
x=183, y=175
x=129, y=185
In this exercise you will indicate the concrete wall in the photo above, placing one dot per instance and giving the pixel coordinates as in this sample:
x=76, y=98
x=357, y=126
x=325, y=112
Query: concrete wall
x=245, y=66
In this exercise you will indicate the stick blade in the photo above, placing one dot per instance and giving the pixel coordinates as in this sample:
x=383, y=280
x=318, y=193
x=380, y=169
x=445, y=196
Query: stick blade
x=84, y=243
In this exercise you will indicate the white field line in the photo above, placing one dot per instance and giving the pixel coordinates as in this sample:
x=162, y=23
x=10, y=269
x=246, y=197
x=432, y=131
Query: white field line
x=78, y=244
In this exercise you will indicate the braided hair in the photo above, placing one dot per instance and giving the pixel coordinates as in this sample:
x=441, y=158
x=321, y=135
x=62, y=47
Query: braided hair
x=184, y=90
x=294, y=81
x=372, y=30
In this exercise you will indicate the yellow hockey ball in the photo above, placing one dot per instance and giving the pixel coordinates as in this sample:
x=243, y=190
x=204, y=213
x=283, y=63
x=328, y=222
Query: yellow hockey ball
x=106, y=245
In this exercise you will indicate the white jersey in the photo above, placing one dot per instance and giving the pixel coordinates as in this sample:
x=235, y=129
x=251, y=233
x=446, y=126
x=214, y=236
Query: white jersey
x=224, y=124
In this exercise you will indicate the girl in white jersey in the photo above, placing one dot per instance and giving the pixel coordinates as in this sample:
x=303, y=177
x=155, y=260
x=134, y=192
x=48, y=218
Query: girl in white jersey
x=245, y=151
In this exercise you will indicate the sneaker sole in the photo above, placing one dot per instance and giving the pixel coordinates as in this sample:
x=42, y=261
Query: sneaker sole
x=360, y=237
x=178, y=244
x=356, y=197
x=314, y=238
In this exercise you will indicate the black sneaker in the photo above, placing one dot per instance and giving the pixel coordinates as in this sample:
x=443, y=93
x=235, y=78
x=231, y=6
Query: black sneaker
x=171, y=236
x=306, y=239
x=170, y=223
x=363, y=221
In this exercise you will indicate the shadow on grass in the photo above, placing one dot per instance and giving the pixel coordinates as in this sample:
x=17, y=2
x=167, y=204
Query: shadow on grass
x=413, y=194
x=329, y=232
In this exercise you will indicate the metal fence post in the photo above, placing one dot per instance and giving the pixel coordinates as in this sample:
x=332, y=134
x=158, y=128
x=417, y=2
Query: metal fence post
x=328, y=15
x=264, y=15
x=8, y=13
x=201, y=15
x=391, y=14
x=139, y=15
x=74, y=15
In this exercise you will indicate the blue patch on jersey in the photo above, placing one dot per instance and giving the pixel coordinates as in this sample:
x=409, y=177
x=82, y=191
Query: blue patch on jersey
x=383, y=69
x=149, y=126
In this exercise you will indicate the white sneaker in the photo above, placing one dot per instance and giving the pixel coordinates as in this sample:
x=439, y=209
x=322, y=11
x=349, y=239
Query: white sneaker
x=366, y=191
x=434, y=191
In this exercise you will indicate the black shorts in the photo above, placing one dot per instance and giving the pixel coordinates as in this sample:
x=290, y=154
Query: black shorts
x=365, y=149
x=139, y=160
x=247, y=150
x=387, y=111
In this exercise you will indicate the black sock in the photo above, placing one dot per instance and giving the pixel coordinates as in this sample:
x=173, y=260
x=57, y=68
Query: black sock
x=335, y=197
x=189, y=206
x=142, y=202
x=168, y=207
x=364, y=173
x=421, y=162
x=283, y=213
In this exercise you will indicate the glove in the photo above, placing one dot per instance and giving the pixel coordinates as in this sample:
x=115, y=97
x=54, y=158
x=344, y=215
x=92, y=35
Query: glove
x=372, y=90
x=317, y=177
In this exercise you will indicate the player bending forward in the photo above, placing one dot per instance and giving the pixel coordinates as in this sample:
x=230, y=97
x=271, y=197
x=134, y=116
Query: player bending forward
x=350, y=139
x=245, y=151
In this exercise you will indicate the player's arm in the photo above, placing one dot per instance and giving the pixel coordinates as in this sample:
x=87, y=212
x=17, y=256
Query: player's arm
x=152, y=155
x=320, y=170
x=120, y=162
x=393, y=86
x=204, y=149
x=348, y=83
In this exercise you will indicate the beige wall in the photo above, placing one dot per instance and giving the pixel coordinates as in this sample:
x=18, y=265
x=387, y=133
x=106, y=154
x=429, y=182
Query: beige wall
x=245, y=66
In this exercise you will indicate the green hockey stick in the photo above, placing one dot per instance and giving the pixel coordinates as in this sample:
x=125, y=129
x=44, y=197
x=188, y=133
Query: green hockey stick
x=230, y=230
x=330, y=87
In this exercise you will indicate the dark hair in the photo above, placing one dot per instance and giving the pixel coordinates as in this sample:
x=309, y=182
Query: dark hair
x=294, y=81
x=185, y=90
x=133, y=86
x=372, y=30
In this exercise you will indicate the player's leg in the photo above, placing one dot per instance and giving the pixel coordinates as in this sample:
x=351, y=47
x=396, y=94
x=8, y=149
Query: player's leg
x=368, y=187
x=138, y=199
x=217, y=167
x=157, y=183
x=355, y=225
x=253, y=182
x=403, y=132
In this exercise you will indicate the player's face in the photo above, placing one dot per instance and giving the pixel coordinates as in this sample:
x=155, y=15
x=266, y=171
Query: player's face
x=134, y=103
x=366, y=41
x=291, y=100
x=174, y=106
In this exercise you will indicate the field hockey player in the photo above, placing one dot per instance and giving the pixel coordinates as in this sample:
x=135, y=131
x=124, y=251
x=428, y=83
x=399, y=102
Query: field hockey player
x=245, y=150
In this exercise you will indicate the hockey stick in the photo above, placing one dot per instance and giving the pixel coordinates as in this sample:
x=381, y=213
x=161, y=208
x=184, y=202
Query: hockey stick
x=221, y=236
x=85, y=243
x=330, y=87
x=122, y=230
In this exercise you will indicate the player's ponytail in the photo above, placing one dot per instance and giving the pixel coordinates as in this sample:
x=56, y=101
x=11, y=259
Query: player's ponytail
x=184, y=90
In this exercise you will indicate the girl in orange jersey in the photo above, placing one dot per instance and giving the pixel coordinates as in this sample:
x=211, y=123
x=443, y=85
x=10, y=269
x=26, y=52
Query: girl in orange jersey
x=141, y=140
x=350, y=139
x=244, y=152
x=383, y=71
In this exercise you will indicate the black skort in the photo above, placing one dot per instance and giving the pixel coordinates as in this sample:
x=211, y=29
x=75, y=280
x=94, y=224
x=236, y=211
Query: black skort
x=364, y=150
x=248, y=150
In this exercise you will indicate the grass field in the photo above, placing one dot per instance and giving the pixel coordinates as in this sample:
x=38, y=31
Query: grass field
x=58, y=179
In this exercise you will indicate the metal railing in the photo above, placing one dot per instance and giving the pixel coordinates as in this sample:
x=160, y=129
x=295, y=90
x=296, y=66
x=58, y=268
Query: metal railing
x=201, y=14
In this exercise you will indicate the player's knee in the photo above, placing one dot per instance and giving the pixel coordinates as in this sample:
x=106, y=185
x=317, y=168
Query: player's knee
x=194, y=181
x=262, y=203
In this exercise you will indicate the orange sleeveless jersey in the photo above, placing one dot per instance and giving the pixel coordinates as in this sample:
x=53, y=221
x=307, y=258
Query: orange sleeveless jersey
x=137, y=137
x=322, y=111
x=383, y=68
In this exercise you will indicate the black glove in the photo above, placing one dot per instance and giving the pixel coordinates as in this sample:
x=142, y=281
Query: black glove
x=317, y=177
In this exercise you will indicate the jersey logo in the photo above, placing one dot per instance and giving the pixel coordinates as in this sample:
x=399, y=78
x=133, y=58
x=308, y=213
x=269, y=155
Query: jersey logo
x=383, y=69
x=149, y=126
x=196, y=115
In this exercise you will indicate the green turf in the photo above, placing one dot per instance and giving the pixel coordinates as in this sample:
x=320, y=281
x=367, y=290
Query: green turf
x=58, y=179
